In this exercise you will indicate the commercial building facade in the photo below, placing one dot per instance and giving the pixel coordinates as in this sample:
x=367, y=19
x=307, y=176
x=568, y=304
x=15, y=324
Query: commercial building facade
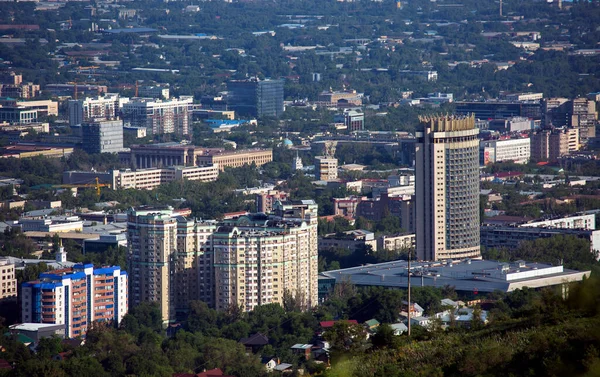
x=102, y=136
x=76, y=297
x=256, y=97
x=91, y=108
x=447, y=189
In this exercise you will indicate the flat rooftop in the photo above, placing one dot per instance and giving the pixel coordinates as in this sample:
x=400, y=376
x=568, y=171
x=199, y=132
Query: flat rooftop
x=465, y=275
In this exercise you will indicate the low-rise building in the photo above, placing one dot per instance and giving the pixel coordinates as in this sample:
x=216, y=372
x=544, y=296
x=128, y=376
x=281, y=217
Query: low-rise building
x=352, y=240
x=403, y=241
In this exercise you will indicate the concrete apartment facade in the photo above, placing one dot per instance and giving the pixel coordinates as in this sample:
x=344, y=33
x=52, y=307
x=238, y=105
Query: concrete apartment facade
x=447, y=189
x=247, y=261
x=159, y=117
x=326, y=168
x=8, y=279
x=102, y=136
x=76, y=297
x=175, y=154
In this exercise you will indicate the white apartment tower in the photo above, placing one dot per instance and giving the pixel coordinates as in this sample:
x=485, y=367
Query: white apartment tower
x=447, y=188
x=158, y=116
x=89, y=109
x=260, y=260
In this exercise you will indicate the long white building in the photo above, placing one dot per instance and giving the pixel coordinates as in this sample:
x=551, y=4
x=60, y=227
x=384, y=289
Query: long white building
x=516, y=150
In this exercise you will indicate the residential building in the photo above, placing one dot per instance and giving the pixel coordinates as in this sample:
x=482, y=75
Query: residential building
x=569, y=222
x=22, y=90
x=102, y=136
x=402, y=241
x=159, y=116
x=256, y=97
x=354, y=240
x=76, y=297
x=249, y=260
x=515, y=150
x=352, y=119
x=424, y=75
x=375, y=209
x=447, y=188
x=94, y=108
x=151, y=246
x=326, y=168
x=258, y=261
x=523, y=96
x=550, y=145
x=265, y=201
x=9, y=280
x=75, y=90
x=346, y=207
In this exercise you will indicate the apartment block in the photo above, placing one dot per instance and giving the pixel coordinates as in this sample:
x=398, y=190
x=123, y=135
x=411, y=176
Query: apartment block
x=159, y=116
x=326, y=168
x=154, y=91
x=266, y=200
x=92, y=108
x=396, y=242
x=8, y=279
x=353, y=240
x=516, y=150
x=549, y=145
x=76, y=297
x=509, y=125
x=151, y=245
x=246, y=261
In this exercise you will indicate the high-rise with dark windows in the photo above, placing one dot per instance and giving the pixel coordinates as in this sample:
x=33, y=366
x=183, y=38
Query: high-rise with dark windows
x=256, y=97
x=447, y=188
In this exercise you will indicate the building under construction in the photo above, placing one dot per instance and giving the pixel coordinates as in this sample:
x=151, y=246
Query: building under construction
x=159, y=117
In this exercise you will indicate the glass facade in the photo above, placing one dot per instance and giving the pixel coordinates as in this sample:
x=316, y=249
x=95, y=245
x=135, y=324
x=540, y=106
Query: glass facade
x=256, y=98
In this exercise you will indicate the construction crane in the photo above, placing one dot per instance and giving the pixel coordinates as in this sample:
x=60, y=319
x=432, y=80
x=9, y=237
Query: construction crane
x=95, y=185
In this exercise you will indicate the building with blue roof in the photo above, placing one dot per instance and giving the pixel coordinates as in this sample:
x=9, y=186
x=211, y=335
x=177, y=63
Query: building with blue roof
x=75, y=297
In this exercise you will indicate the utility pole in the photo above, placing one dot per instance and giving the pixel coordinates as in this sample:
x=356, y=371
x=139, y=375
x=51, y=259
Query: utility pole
x=408, y=306
x=500, y=8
